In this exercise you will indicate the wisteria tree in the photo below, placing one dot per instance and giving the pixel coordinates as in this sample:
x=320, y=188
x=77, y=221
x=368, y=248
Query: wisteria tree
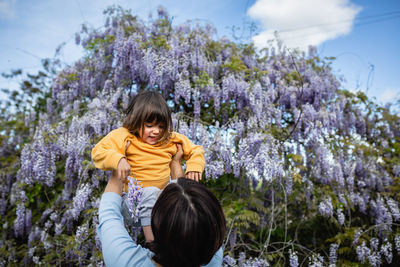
x=307, y=173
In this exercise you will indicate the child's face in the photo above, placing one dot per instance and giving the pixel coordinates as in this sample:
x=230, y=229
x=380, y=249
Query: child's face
x=151, y=133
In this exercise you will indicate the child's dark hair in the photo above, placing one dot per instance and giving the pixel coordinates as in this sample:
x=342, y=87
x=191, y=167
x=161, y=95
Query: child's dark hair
x=148, y=107
x=188, y=225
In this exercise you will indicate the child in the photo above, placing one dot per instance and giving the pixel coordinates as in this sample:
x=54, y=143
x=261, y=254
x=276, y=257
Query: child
x=144, y=146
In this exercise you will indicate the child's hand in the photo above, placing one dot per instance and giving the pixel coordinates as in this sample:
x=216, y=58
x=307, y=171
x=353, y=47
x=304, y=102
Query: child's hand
x=123, y=169
x=194, y=176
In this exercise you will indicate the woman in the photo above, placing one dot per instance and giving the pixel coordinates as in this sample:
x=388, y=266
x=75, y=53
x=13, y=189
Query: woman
x=187, y=222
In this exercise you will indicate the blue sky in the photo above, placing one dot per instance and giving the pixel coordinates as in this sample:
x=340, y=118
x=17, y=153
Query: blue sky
x=363, y=35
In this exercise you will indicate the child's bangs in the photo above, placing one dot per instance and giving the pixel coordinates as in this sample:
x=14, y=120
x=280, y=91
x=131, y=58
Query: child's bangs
x=157, y=115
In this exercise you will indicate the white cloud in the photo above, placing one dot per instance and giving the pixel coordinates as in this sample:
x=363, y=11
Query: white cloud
x=7, y=9
x=301, y=23
x=388, y=95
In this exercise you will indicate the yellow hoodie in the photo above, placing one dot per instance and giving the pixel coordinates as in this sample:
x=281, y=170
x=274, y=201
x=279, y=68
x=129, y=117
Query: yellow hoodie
x=149, y=163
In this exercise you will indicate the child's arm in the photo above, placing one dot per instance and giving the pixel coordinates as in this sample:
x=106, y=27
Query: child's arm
x=194, y=155
x=109, y=153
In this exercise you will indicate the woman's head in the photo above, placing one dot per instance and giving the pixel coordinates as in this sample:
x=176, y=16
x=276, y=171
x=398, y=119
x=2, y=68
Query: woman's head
x=188, y=225
x=149, y=110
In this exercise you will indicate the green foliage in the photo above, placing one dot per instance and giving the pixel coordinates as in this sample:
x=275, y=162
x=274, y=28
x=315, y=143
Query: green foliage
x=236, y=65
x=203, y=80
x=99, y=43
x=213, y=49
x=157, y=42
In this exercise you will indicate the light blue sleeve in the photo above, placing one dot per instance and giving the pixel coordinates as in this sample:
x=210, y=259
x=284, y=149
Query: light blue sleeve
x=216, y=261
x=117, y=246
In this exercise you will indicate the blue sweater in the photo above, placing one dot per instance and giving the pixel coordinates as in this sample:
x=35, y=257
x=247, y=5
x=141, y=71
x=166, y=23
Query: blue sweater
x=118, y=247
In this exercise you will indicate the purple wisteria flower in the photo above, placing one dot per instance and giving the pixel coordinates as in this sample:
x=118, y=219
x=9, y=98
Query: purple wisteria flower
x=397, y=243
x=356, y=237
x=242, y=258
x=374, y=243
x=289, y=184
x=34, y=235
x=340, y=216
x=135, y=192
x=383, y=217
x=309, y=190
x=255, y=262
x=396, y=170
x=342, y=199
x=19, y=223
x=58, y=228
x=333, y=254
x=293, y=259
x=80, y=199
x=326, y=208
x=316, y=260
x=229, y=261
x=44, y=236
x=338, y=174
x=375, y=259
x=363, y=252
x=81, y=233
x=386, y=250
x=28, y=220
x=38, y=160
x=394, y=208
x=357, y=199
x=232, y=237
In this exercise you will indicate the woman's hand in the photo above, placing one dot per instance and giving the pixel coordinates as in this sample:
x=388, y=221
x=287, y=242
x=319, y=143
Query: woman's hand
x=115, y=184
x=179, y=154
x=175, y=165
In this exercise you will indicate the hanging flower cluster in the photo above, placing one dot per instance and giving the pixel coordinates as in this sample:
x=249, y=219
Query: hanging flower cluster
x=135, y=192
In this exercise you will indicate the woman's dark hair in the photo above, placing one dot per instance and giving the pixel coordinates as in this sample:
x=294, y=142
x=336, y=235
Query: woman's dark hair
x=148, y=107
x=188, y=225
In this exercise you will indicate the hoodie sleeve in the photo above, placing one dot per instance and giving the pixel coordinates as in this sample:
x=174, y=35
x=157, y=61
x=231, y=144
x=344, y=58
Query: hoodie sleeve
x=193, y=154
x=107, y=153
